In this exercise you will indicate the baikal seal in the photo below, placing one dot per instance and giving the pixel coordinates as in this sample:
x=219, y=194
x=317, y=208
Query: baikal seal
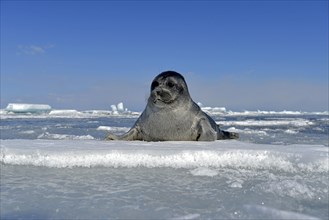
x=172, y=115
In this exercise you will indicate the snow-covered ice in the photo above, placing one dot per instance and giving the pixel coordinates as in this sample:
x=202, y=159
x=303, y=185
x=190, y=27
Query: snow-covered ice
x=296, y=122
x=119, y=109
x=222, y=179
x=27, y=108
x=218, y=154
x=56, y=165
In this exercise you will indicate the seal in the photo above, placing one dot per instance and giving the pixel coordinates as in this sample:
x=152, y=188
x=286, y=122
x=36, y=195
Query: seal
x=172, y=115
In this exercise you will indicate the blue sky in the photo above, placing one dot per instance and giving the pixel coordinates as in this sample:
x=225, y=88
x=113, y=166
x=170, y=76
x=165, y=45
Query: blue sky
x=243, y=55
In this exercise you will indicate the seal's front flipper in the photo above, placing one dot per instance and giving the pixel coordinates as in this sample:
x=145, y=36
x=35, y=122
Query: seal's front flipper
x=204, y=131
x=231, y=135
x=131, y=135
x=221, y=135
x=111, y=137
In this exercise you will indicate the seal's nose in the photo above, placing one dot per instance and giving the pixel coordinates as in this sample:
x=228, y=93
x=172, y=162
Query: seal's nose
x=162, y=94
x=158, y=91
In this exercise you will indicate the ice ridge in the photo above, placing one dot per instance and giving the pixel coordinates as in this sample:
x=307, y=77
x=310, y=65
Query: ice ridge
x=89, y=153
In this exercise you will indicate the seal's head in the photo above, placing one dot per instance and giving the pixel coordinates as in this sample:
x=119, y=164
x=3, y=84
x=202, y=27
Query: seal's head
x=168, y=89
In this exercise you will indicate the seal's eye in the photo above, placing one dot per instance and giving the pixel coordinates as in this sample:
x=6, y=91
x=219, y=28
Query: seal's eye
x=170, y=84
x=154, y=85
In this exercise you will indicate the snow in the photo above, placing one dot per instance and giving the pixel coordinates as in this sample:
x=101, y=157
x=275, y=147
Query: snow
x=187, y=217
x=59, y=167
x=289, y=131
x=48, y=135
x=259, y=112
x=212, y=110
x=114, y=109
x=259, y=211
x=113, y=129
x=248, y=131
x=120, y=107
x=120, y=179
x=204, y=171
x=120, y=110
x=68, y=113
x=224, y=111
x=218, y=154
x=27, y=108
x=292, y=122
x=45, y=111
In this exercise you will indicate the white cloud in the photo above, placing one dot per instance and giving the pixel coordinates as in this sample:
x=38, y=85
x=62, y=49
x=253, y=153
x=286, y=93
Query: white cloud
x=33, y=49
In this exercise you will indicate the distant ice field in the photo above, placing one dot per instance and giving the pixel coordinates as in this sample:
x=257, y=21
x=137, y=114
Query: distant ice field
x=56, y=164
x=256, y=127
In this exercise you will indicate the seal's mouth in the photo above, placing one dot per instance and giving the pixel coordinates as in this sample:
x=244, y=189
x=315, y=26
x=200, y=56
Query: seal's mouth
x=162, y=96
x=155, y=101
